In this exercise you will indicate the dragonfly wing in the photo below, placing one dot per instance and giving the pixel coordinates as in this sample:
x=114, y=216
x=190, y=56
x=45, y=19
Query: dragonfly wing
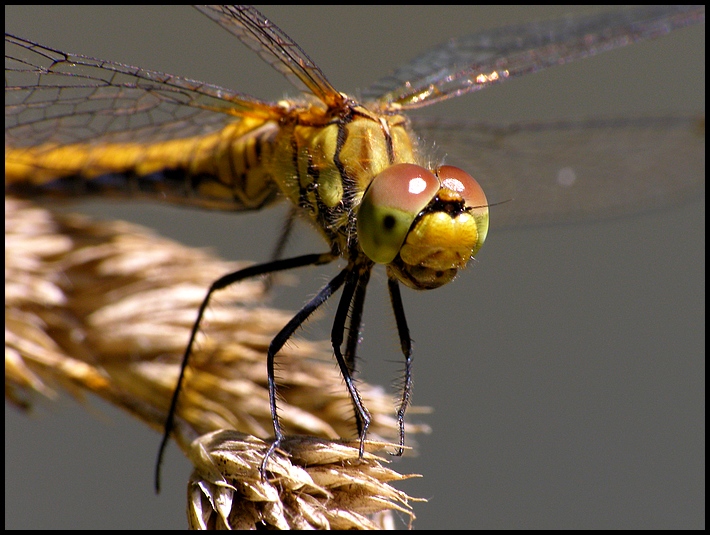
x=571, y=171
x=473, y=62
x=275, y=48
x=54, y=97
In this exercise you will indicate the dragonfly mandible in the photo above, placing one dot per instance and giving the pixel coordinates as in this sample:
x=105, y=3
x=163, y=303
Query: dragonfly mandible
x=425, y=95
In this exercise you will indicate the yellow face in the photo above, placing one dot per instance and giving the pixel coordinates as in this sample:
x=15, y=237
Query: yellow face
x=425, y=226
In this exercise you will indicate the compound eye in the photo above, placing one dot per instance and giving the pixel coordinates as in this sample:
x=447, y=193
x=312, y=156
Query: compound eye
x=391, y=202
x=465, y=185
x=460, y=182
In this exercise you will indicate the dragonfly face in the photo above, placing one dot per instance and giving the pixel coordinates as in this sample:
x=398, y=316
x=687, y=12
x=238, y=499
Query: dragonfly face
x=425, y=226
x=498, y=198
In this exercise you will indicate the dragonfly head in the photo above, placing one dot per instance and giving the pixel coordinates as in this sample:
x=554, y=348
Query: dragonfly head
x=423, y=225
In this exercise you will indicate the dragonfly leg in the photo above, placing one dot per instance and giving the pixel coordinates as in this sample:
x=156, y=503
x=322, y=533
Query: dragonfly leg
x=406, y=344
x=284, y=236
x=278, y=342
x=352, y=302
x=354, y=339
x=219, y=284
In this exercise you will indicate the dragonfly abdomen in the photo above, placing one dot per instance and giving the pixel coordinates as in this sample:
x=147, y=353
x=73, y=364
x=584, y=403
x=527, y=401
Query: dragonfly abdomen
x=222, y=170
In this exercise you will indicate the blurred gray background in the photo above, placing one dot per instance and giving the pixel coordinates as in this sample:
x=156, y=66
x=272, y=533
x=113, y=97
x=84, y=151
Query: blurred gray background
x=565, y=369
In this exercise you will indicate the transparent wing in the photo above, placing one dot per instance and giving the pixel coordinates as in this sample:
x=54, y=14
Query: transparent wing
x=54, y=97
x=482, y=59
x=275, y=48
x=570, y=171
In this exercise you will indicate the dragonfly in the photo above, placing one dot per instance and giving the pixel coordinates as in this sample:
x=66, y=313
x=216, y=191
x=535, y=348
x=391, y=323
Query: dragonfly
x=124, y=130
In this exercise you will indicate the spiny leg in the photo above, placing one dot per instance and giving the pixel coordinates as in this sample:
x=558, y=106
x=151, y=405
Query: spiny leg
x=285, y=233
x=284, y=236
x=278, y=342
x=406, y=344
x=353, y=340
x=358, y=276
x=221, y=283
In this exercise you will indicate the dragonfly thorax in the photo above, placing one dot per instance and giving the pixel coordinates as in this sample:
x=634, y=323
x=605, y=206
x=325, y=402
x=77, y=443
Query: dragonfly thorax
x=324, y=160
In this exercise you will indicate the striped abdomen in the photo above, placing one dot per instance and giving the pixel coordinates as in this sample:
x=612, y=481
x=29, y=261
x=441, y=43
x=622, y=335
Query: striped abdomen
x=221, y=170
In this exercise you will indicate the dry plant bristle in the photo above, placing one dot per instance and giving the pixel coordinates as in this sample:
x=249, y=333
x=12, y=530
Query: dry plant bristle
x=312, y=484
x=106, y=308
